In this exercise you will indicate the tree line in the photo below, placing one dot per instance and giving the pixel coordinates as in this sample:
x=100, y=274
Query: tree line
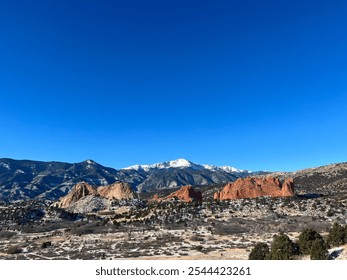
x=309, y=242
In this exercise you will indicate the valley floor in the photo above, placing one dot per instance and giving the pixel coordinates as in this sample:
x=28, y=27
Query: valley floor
x=152, y=245
x=172, y=230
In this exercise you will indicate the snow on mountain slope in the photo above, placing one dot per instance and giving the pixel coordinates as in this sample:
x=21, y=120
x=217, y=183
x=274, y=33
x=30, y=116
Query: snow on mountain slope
x=178, y=163
x=183, y=163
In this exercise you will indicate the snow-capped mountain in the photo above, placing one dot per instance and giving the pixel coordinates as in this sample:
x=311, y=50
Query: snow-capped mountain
x=181, y=172
x=228, y=169
x=183, y=163
x=178, y=163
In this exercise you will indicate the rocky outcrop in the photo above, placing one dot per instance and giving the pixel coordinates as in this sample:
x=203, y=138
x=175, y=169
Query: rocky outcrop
x=251, y=187
x=186, y=194
x=118, y=190
x=288, y=187
x=89, y=204
x=80, y=190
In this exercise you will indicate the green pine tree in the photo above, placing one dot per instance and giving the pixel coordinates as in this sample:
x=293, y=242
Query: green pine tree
x=319, y=250
x=282, y=248
x=259, y=252
x=306, y=238
x=337, y=235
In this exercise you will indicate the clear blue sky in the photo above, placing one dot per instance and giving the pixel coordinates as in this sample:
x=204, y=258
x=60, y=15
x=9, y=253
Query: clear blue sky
x=252, y=84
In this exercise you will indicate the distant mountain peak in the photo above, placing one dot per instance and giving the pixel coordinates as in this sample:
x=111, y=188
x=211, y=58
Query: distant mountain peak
x=90, y=161
x=184, y=163
x=177, y=163
x=181, y=162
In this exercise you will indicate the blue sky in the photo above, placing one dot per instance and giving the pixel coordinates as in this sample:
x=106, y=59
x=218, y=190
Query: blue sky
x=252, y=84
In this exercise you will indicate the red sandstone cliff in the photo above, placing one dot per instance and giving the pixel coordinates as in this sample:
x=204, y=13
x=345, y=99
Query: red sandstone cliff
x=253, y=187
x=117, y=191
x=186, y=194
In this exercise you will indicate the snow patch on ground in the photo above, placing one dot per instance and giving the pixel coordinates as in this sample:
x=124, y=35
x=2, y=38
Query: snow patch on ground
x=5, y=165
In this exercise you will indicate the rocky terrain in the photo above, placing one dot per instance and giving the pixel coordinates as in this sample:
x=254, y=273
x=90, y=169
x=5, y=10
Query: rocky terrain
x=101, y=223
x=326, y=179
x=166, y=229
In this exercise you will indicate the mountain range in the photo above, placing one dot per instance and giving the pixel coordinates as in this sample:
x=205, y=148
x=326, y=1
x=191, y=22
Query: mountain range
x=26, y=179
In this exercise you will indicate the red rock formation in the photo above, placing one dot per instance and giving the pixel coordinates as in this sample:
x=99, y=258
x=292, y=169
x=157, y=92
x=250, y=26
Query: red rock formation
x=288, y=187
x=113, y=191
x=186, y=194
x=77, y=192
x=251, y=187
x=117, y=191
